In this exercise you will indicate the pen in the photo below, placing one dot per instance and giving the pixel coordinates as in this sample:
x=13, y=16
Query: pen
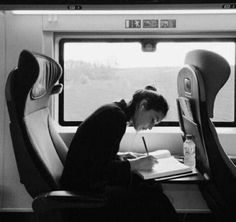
x=145, y=145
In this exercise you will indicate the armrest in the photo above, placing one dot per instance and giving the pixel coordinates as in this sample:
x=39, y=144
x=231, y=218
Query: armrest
x=60, y=199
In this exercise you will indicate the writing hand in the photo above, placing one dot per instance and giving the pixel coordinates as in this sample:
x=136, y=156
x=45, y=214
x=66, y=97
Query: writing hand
x=143, y=163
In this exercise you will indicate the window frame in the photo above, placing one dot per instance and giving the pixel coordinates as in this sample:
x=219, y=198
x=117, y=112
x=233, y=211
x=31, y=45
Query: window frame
x=109, y=38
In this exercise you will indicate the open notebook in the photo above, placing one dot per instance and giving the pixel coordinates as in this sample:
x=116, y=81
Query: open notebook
x=166, y=167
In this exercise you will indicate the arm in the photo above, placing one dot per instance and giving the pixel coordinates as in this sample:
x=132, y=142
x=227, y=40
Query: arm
x=129, y=155
x=112, y=126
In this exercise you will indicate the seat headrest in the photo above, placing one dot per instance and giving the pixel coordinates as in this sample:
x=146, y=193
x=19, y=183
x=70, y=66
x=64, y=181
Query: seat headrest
x=35, y=80
x=214, y=70
x=47, y=71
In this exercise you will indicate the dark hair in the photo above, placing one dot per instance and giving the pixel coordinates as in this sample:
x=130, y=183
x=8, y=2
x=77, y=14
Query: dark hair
x=155, y=101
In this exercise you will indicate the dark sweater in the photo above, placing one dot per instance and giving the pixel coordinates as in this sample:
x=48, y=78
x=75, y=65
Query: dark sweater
x=91, y=162
x=92, y=166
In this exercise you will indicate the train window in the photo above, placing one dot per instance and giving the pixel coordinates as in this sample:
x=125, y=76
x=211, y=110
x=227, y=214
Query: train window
x=101, y=71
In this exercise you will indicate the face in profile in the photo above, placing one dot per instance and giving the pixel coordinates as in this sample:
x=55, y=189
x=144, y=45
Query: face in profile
x=144, y=119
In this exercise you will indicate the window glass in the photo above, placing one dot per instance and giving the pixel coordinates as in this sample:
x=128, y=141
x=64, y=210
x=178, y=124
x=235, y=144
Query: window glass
x=97, y=72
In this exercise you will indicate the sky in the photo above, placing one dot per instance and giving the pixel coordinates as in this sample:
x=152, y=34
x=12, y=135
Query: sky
x=129, y=55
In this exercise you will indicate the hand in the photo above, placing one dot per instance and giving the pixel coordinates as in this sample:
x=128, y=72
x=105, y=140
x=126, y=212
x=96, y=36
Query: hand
x=143, y=163
x=130, y=155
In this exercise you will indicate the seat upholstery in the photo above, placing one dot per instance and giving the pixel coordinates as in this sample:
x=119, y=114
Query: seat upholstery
x=199, y=81
x=188, y=103
x=39, y=150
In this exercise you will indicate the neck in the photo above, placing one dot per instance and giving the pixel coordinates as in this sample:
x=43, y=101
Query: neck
x=130, y=111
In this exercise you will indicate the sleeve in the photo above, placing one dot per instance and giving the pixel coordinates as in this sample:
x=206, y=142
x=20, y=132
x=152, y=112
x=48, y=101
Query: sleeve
x=118, y=172
x=105, y=167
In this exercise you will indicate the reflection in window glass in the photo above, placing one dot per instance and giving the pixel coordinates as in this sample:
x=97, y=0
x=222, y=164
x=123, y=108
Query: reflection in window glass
x=96, y=73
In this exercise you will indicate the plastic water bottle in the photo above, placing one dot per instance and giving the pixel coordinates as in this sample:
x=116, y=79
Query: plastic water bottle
x=189, y=151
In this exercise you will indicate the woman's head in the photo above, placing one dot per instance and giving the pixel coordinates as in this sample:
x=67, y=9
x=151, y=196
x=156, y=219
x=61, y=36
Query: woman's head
x=149, y=108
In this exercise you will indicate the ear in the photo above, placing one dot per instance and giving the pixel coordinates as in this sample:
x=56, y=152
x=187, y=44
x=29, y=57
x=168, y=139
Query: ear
x=143, y=104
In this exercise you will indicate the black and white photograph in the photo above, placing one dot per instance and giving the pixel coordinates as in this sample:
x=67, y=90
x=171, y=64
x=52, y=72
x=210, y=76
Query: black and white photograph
x=117, y=111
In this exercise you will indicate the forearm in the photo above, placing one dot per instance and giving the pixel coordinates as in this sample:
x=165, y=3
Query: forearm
x=119, y=172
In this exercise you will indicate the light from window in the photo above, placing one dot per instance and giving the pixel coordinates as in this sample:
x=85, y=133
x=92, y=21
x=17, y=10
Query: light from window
x=96, y=73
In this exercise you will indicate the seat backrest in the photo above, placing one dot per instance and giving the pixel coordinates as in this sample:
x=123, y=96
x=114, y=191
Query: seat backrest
x=39, y=150
x=188, y=103
x=204, y=74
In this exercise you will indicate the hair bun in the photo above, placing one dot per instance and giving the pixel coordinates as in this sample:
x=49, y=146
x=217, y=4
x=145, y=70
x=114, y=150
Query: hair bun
x=149, y=87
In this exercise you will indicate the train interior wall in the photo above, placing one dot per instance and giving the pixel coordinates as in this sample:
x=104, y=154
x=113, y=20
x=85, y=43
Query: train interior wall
x=37, y=33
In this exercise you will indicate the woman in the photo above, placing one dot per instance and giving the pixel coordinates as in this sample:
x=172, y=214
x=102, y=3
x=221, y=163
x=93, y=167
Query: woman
x=93, y=166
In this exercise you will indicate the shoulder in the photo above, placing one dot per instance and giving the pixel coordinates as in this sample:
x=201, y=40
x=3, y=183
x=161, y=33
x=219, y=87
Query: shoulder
x=109, y=116
x=112, y=111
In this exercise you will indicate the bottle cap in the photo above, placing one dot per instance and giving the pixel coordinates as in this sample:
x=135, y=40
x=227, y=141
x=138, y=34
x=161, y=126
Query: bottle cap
x=189, y=136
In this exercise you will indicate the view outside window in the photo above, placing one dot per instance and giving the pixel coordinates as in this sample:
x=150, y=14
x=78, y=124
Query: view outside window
x=96, y=73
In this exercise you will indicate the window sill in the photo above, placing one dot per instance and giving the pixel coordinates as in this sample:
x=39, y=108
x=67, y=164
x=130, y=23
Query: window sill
x=165, y=129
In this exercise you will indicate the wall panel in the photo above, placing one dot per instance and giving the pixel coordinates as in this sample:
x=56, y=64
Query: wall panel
x=22, y=32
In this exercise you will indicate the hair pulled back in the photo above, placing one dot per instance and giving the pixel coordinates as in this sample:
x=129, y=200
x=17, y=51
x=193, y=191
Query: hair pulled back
x=154, y=100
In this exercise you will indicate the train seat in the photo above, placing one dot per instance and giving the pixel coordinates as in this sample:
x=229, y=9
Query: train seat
x=198, y=82
x=39, y=150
